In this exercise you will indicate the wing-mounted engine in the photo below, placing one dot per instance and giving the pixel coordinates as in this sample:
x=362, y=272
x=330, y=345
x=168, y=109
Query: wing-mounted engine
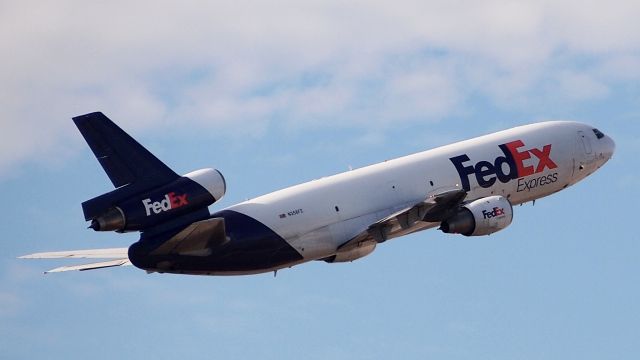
x=480, y=217
x=191, y=192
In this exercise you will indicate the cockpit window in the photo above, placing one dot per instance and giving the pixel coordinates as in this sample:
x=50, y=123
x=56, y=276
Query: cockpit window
x=598, y=133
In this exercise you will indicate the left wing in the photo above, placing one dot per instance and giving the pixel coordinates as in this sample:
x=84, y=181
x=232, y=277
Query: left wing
x=197, y=239
x=119, y=256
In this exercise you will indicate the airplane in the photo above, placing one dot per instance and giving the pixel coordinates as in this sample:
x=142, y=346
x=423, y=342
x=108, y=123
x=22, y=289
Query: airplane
x=467, y=188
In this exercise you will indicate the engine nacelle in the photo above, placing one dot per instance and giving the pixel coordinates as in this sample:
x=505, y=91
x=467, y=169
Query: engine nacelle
x=480, y=217
x=193, y=191
x=353, y=254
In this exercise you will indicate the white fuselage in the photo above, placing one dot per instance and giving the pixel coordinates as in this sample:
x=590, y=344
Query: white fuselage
x=316, y=217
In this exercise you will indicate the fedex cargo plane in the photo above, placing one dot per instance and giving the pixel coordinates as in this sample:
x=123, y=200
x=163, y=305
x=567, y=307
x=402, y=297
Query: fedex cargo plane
x=466, y=188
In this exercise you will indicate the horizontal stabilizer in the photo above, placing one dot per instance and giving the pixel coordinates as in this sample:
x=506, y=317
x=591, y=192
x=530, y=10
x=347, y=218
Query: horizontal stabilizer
x=115, y=253
x=92, y=266
x=120, y=256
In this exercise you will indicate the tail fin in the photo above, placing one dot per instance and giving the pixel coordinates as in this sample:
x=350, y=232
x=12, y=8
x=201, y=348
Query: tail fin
x=131, y=168
x=123, y=159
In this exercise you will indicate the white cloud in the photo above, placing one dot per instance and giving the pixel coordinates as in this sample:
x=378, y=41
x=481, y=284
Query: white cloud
x=581, y=86
x=427, y=92
x=240, y=66
x=596, y=27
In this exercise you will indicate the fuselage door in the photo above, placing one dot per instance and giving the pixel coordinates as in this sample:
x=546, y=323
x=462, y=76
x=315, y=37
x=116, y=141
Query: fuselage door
x=584, y=157
x=586, y=143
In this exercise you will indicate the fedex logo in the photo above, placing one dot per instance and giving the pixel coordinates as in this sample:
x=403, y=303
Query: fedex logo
x=514, y=164
x=493, y=213
x=170, y=201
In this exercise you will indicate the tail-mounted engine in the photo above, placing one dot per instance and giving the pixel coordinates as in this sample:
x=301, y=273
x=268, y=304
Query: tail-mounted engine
x=480, y=217
x=191, y=192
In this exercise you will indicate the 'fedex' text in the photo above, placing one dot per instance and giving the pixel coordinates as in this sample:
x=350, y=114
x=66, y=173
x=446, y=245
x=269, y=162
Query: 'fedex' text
x=170, y=201
x=487, y=173
x=493, y=213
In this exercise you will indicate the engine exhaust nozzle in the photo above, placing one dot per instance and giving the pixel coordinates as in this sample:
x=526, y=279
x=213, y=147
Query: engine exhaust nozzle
x=112, y=219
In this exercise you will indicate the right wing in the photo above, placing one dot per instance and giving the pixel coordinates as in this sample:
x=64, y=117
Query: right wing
x=435, y=208
x=118, y=254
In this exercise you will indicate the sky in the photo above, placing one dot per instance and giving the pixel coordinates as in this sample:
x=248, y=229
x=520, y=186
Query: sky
x=282, y=92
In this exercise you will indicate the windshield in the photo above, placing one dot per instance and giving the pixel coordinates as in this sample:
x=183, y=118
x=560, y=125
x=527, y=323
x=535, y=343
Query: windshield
x=598, y=133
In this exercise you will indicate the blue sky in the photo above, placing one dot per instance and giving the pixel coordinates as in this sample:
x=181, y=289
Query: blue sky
x=274, y=94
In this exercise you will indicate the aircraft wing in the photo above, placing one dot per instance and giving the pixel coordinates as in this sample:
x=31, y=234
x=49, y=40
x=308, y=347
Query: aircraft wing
x=197, y=239
x=119, y=256
x=435, y=208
